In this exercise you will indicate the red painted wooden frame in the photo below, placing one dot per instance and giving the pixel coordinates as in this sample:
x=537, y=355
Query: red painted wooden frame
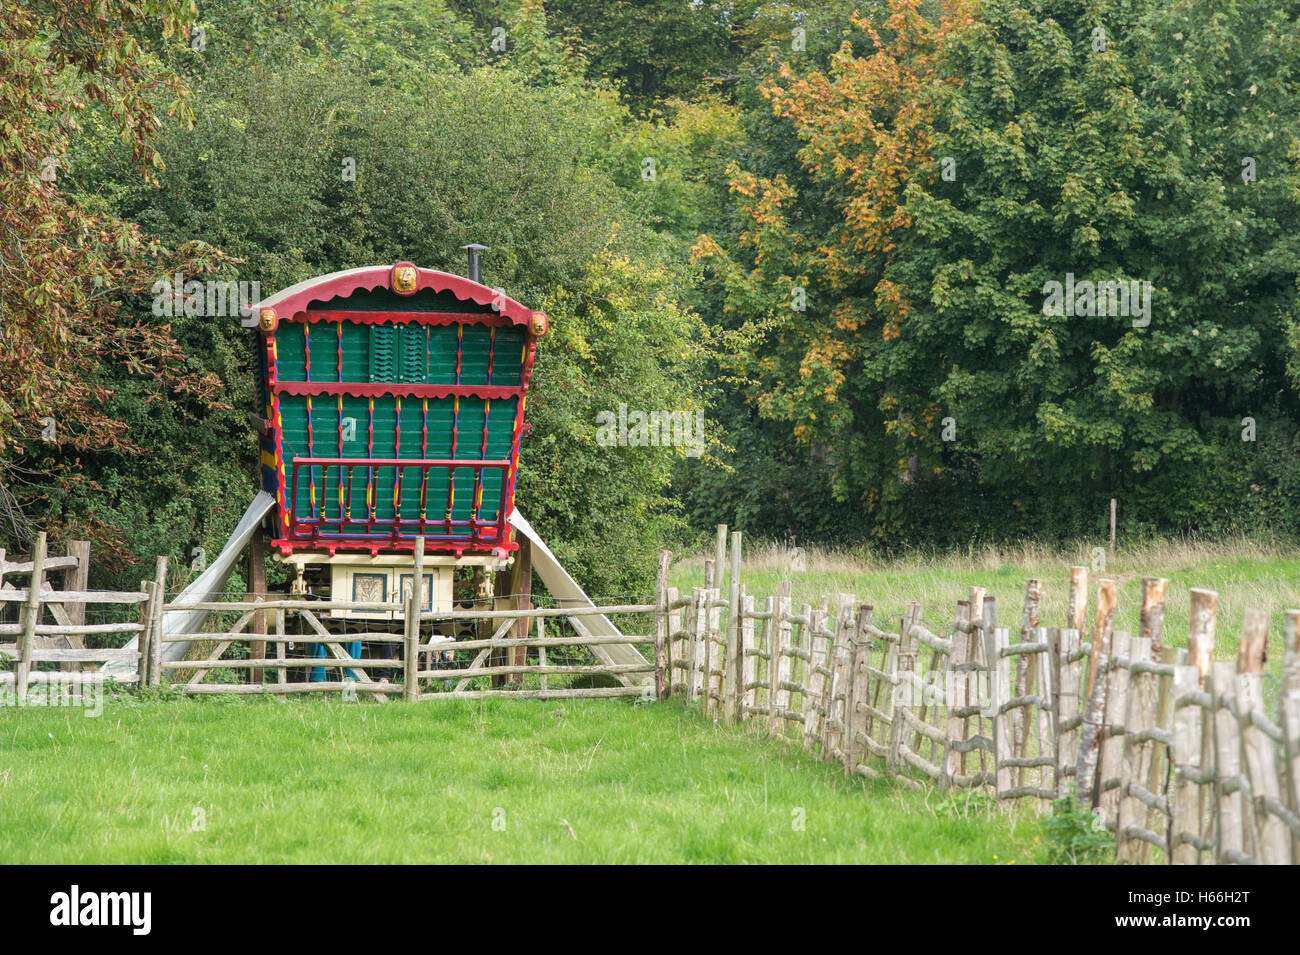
x=397, y=389
x=367, y=317
x=440, y=533
x=294, y=305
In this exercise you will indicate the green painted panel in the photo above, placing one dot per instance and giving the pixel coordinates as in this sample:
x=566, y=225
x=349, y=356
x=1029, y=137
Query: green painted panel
x=413, y=353
x=384, y=422
x=356, y=352
x=289, y=353
x=324, y=351
x=474, y=355
x=407, y=353
x=442, y=354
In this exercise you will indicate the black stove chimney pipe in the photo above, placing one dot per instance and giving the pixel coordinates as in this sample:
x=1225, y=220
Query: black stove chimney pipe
x=475, y=261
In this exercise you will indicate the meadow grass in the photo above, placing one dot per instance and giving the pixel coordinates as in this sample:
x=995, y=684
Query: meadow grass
x=1244, y=572
x=316, y=781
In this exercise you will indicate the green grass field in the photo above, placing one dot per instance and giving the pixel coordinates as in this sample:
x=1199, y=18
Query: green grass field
x=1245, y=573
x=328, y=781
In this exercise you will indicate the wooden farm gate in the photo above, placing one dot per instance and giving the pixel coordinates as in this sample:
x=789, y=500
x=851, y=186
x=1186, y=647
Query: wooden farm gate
x=429, y=665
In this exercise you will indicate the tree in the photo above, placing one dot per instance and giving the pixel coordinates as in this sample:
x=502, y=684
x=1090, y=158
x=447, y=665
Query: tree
x=972, y=161
x=68, y=267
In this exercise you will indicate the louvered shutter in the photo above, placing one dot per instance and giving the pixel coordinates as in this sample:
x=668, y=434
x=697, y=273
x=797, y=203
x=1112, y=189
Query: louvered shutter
x=383, y=352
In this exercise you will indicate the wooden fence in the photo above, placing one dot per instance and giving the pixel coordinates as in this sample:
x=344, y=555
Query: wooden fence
x=1175, y=752
x=234, y=659
x=63, y=641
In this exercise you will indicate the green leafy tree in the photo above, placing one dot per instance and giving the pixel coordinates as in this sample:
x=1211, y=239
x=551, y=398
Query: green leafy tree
x=1107, y=143
x=70, y=71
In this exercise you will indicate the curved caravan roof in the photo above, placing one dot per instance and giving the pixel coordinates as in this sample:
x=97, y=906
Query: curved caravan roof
x=293, y=301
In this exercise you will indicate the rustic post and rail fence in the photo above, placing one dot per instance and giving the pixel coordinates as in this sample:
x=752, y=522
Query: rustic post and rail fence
x=1176, y=752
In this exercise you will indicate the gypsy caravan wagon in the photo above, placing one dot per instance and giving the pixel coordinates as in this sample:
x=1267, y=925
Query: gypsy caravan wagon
x=391, y=411
x=394, y=402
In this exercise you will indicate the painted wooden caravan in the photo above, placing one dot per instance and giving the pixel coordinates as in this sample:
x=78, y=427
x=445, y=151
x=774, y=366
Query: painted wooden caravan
x=393, y=401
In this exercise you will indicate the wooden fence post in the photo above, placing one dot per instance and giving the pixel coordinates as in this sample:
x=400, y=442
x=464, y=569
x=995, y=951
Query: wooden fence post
x=765, y=638
x=1111, y=746
x=1290, y=720
x=857, y=689
x=663, y=675
x=256, y=589
x=281, y=651
x=1271, y=836
x=1076, y=613
x=1069, y=713
x=1185, y=795
x=989, y=618
x=1025, y=672
x=1290, y=651
x=1229, y=841
x=720, y=556
x=734, y=690
x=156, y=642
x=958, y=694
x=814, y=681
x=1200, y=634
x=837, y=664
x=747, y=689
x=1139, y=717
x=694, y=624
x=779, y=664
x=712, y=628
x=1101, y=630
x=144, y=645
x=1254, y=641
x=411, y=632
x=1153, y=613
x=902, y=687
x=541, y=656
x=675, y=638
x=997, y=639
x=1085, y=767
x=1094, y=693
x=1155, y=763
x=31, y=615
x=76, y=578
x=976, y=678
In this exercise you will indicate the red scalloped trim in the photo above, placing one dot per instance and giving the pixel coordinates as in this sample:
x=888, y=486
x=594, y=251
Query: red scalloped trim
x=380, y=276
